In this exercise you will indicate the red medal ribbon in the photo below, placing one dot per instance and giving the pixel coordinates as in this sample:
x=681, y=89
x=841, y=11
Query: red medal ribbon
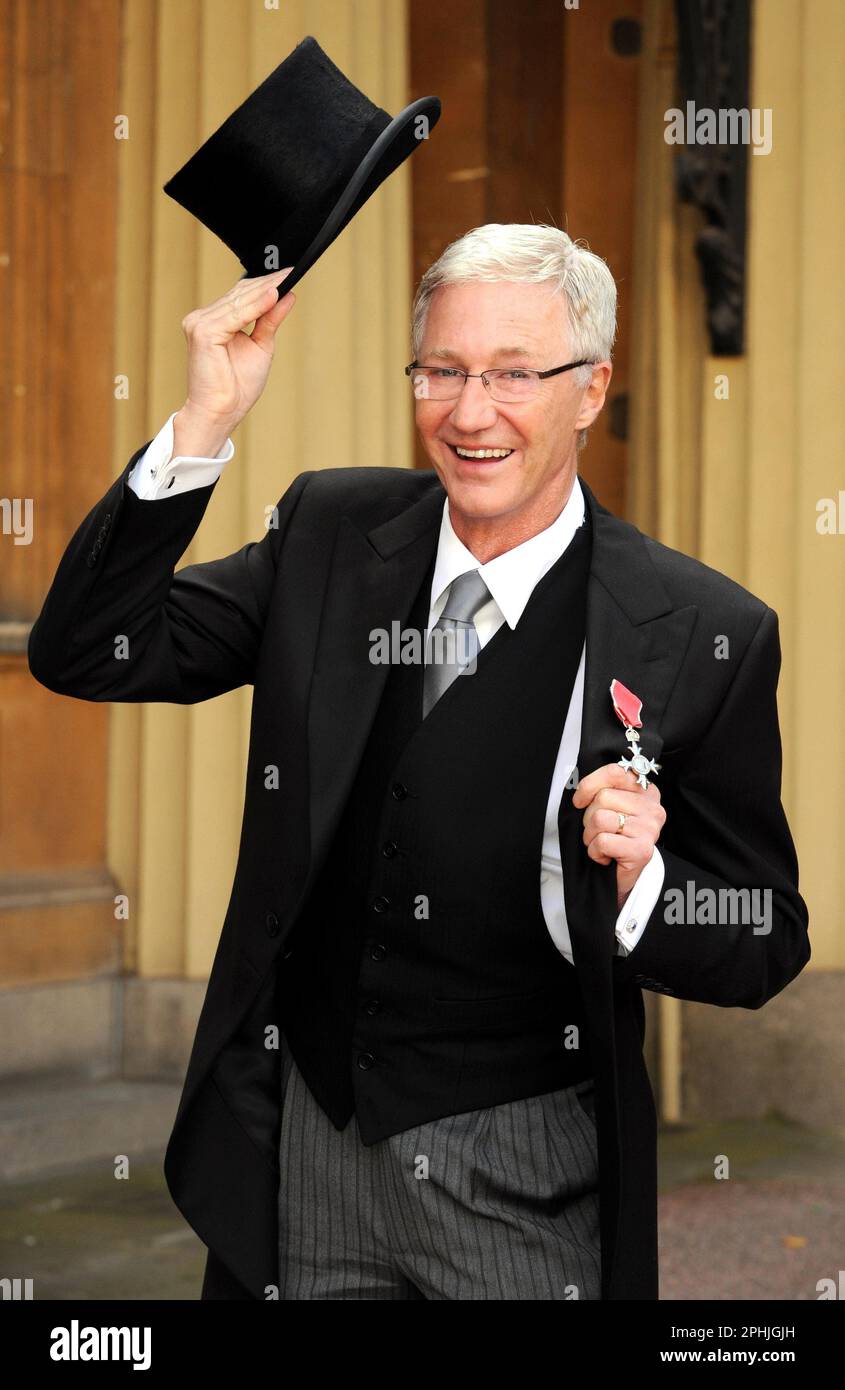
x=627, y=706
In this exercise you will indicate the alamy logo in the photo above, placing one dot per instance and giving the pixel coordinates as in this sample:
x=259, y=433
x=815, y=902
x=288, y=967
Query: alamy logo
x=701, y=125
x=722, y=907
x=77, y=1343
x=16, y=519
x=406, y=646
x=16, y=1289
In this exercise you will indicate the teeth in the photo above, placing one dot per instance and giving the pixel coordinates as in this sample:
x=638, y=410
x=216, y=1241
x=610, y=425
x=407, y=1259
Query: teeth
x=482, y=453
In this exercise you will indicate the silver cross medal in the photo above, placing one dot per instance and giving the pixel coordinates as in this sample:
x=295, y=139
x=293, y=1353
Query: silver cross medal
x=628, y=708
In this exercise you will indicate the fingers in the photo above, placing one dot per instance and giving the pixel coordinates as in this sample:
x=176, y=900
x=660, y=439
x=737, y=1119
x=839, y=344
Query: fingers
x=597, y=819
x=606, y=847
x=639, y=817
x=611, y=775
x=245, y=302
x=259, y=283
x=607, y=822
x=628, y=799
x=632, y=801
x=602, y=825
x=634, y=841
x=265, y=327
x=606, y=792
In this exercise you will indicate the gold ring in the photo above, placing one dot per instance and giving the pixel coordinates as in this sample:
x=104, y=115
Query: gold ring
x=622, y=820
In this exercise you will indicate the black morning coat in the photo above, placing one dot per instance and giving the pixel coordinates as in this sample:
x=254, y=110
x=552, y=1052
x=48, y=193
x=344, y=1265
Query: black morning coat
x=291, y=614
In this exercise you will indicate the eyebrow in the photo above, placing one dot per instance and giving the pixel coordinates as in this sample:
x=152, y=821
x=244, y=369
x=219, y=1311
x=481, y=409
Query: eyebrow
x=443, y=354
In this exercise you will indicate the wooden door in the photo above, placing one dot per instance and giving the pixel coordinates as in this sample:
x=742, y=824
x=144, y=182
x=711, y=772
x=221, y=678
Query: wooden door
x=58, y=184
x=539, y=125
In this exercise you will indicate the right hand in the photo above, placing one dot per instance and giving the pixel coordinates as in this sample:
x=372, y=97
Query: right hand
x=228, y=367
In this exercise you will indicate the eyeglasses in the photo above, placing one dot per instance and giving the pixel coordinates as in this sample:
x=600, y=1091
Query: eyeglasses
x=503, y=383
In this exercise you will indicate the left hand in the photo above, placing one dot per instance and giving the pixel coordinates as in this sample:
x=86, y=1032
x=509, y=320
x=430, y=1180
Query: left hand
x=605, y=792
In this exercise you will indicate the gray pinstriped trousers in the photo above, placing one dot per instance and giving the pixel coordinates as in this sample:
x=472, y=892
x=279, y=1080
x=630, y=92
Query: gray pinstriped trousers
x=500, y=1203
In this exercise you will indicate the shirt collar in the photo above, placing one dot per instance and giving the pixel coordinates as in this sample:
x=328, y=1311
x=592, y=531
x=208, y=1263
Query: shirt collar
x=512, y=576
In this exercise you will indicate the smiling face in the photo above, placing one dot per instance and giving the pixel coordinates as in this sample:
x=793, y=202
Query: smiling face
x=496, y=503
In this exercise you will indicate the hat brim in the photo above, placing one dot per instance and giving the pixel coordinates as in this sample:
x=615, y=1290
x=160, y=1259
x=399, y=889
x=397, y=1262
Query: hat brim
x=393, y=146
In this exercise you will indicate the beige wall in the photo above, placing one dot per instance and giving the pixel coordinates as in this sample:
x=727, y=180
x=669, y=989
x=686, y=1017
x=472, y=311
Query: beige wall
x=336, y=396
x=737, y=482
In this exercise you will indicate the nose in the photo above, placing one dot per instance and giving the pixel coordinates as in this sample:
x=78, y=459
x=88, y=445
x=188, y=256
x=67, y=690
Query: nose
x=474, y=408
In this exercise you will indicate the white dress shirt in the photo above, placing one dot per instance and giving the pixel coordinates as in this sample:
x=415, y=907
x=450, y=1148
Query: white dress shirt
x=156, y=474
x=511, y=579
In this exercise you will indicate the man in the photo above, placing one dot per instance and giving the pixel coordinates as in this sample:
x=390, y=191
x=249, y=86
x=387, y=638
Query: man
x=452, y=940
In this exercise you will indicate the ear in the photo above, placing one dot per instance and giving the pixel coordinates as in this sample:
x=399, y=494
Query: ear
x=594, y=395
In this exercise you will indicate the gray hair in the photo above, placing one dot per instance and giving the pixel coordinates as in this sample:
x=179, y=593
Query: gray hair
x=531, y=253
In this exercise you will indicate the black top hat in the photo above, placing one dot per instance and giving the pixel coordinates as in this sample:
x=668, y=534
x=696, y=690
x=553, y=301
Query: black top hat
x=294, y=163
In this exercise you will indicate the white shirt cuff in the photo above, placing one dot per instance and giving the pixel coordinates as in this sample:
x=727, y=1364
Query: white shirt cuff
x=640, y=903
x=156, y=474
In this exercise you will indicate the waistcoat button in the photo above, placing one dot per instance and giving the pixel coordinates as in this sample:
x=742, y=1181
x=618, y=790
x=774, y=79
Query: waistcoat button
x=398, y=791
x=381, y=904
x=378, y=952
x=388, y=849
x=366, y=1060
x=271, y=922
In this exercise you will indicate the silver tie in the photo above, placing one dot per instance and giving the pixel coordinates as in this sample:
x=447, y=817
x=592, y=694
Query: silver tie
x=457, y=649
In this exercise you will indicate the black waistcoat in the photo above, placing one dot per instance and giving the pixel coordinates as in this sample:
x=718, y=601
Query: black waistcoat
x=423, y=980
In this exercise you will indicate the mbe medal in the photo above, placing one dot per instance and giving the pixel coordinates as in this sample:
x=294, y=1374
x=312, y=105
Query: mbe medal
x=628, y=707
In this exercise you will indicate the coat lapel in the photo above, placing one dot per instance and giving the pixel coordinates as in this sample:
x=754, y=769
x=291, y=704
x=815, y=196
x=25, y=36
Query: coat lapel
x=633, y=633
x=373, y=582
